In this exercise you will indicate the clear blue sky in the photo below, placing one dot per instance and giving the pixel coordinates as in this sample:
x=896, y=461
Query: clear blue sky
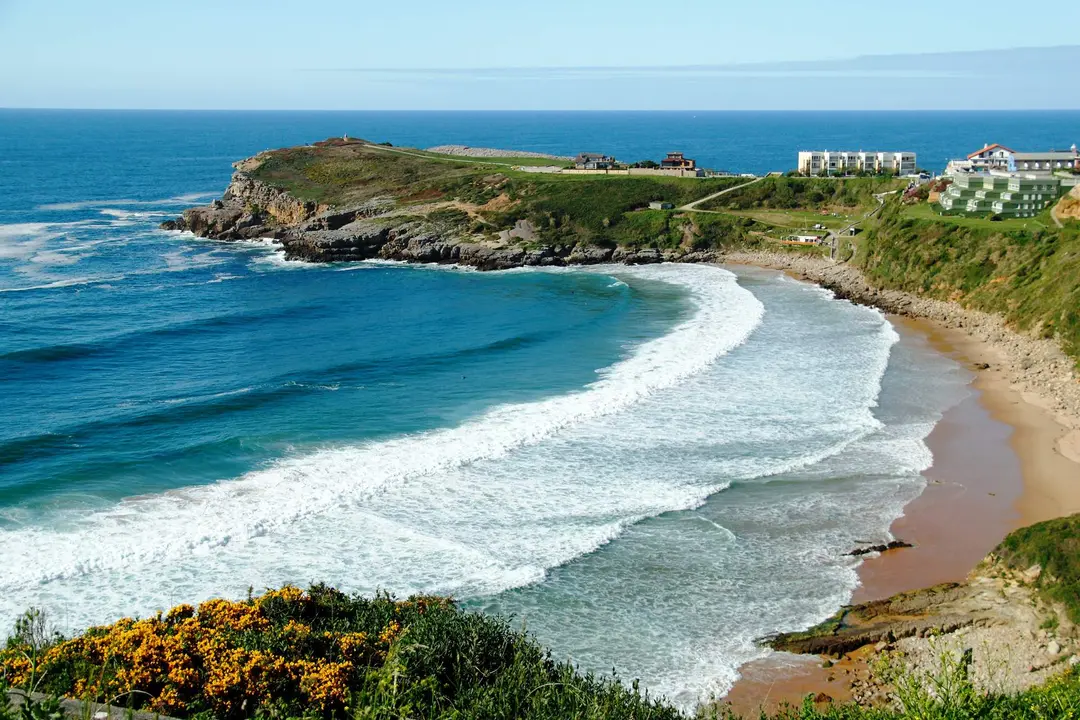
x=320, y=54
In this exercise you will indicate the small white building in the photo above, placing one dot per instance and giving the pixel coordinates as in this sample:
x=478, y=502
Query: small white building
x=991, y=157
x=843, y=162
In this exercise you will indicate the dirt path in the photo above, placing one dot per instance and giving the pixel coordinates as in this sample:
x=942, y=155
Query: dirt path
x=692, y=207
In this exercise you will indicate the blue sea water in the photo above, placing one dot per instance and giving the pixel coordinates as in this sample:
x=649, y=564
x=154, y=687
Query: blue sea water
x=649, y=467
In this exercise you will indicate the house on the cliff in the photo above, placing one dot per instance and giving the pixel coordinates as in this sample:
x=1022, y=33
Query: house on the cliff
x=594, y=161
x=677, y=161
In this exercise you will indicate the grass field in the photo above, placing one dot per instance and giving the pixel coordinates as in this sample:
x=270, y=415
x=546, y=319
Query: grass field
x=928, y=211
x=508, y=161
x=806, y=194
x=799, y=219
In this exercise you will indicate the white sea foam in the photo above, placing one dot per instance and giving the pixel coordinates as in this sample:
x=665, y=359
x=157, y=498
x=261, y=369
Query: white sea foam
x=223, y=277
x=66, y=282
x=185, y=199
x=135, y=214
x=209, y=396
x=233, y=515
x=276, y=260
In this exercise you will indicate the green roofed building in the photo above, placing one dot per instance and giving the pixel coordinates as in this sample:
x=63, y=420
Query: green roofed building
x=1005, y=195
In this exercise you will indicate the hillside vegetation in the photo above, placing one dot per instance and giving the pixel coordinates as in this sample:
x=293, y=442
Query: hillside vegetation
x=1055, y=547
x=490, y=196
x=1028, y=273
x=786, y=193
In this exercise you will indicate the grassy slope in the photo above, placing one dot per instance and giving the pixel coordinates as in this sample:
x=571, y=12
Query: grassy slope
x=1028, y=273
x=566, y=209
x=1055, y=546
x=783, y=193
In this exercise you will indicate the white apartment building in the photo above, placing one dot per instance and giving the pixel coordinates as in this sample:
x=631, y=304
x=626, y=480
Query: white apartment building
x=832, y=162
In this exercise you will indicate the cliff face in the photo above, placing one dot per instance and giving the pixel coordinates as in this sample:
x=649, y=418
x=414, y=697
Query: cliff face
x=377, y=229
x=248, y=209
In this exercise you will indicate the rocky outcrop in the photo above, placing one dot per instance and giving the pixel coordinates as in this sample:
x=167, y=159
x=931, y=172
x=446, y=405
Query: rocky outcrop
x=248, y=209
x=996, y=622
x=1069, y=206
x=376, y=229
x=932, y=611
x=885, y=547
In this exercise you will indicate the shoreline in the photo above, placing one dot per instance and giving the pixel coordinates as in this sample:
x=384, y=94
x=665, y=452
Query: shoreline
x=1002, y=460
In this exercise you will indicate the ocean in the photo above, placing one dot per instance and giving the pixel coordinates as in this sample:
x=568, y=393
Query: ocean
x=647, y=467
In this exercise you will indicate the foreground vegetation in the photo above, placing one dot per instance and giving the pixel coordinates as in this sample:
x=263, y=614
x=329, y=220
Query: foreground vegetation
x=321, y=654
x=324, y=654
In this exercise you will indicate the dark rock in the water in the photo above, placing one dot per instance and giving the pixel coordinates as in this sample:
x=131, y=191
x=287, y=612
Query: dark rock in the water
x=894, y=545
x=177, y=224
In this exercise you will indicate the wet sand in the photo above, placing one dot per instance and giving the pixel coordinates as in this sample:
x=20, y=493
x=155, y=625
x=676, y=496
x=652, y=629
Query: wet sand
x=1000, y=462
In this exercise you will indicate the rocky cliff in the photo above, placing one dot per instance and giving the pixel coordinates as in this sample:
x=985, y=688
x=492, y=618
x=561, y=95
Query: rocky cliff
x=379, y=229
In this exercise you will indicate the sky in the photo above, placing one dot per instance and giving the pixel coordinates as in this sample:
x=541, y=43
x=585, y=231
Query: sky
x=555, y=54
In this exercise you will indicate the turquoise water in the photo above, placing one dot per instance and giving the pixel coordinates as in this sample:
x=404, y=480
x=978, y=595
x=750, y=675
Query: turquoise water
x=648, y=467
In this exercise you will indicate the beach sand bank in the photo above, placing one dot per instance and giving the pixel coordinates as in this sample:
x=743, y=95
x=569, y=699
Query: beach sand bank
x=1001, y=461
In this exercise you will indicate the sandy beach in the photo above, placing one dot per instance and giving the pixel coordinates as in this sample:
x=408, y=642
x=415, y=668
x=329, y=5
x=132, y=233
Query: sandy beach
x=1001, y=461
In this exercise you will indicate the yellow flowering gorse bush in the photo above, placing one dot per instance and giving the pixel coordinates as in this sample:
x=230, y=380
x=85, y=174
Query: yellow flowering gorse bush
x=224, y=656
